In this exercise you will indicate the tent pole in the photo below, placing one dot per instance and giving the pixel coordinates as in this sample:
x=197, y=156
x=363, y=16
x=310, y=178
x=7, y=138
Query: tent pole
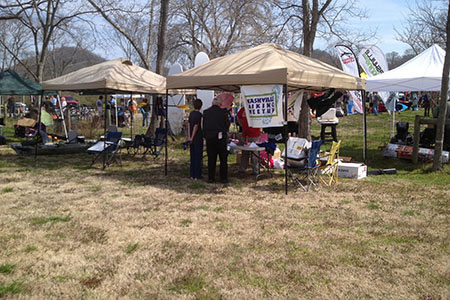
x=62, y=116
x=131, y=117
x=286, y=137
x=104, y=132
x=39, y=125
x=115, y=108
x=393, y=123
x=167, y=131
x=364, y=128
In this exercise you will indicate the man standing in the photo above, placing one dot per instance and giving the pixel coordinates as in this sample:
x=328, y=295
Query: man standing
x=215, y=131
x=11, y=106
x=426, y=105
x=375, y=101
x=250, y=135
x=99, y=105
x=145, y=109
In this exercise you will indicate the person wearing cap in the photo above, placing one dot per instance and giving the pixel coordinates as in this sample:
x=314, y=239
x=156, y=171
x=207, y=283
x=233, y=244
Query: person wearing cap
x=215, y=131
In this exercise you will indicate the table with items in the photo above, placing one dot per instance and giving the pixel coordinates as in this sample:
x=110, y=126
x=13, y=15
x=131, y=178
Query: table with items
x=254, y=149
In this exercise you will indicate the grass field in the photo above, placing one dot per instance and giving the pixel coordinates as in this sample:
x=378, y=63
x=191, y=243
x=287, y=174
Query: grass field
x=68, y=231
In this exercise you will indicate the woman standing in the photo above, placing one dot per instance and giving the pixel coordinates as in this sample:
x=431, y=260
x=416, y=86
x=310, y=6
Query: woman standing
x=195, y=140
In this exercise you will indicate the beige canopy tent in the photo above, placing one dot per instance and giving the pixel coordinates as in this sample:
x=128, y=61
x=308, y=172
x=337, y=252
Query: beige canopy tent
x=118, y=75
x=110, y=77
x=261, y=65
x=265, y=64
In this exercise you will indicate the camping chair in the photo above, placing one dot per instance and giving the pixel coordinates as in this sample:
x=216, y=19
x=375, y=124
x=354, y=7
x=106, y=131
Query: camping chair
x=109, y=148
x=309, y=173
x=72, y=137
x=155, y=145
x=329, y=172
x=152, y=145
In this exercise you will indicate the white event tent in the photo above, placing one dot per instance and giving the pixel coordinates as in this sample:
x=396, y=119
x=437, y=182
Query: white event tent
x=421, y=73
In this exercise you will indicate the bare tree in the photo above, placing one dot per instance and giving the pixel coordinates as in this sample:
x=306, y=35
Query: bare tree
x=320, y=18
x=162, y=36
x=42, y=19
x=425, y=25
x=134, y=28
x=14, y=38
x=437, y=160
x=218, y=27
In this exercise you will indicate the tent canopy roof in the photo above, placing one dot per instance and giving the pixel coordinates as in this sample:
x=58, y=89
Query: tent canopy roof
x=265, y=64
x=12, y=83
x=421, y=73
x=114, y=76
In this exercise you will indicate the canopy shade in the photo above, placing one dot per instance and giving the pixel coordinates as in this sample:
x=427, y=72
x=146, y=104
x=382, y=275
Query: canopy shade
x=12, y=83
x=265, y=64
x=421, y=73
x=115, y=76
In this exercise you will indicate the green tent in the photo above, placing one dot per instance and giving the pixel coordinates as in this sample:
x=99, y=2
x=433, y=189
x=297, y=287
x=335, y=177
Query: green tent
x=12, y=83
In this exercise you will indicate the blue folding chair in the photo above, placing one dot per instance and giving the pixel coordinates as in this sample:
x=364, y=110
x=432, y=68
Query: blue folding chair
x=308, y=175
x=108, y=149
x=155, y=145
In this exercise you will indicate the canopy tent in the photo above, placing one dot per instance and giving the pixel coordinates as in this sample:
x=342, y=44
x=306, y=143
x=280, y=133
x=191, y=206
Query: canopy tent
x=12, y=83
x=421, y=73
x=265, y=64
x=114, y=76
x=111, y=77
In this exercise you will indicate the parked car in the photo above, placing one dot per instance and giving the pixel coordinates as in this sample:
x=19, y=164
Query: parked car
x=71, y=101
x=21, y=108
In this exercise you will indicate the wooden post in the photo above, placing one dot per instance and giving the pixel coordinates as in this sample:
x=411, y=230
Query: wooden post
x=415, y=154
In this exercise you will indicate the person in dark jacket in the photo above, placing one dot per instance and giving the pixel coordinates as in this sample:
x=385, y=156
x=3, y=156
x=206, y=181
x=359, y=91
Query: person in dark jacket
x=215, y=131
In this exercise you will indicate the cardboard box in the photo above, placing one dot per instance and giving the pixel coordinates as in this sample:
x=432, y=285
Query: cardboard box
x=352, y=170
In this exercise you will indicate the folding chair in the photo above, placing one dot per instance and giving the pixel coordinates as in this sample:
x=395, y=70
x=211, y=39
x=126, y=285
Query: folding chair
x=72, y=137
x=309, y=173
x=329, y=172
x=110, y=148
x=155, y=145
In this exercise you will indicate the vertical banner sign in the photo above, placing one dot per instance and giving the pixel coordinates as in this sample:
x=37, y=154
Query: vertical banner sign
x=294, y=105
x=263, y=105
x=373, y=62
x=350, y=66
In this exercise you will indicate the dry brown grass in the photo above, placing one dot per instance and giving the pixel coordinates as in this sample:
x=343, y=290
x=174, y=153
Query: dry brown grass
x=71, y=232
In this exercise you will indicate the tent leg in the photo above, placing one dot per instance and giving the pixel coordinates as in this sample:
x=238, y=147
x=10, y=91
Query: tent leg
x=364, y=128
x=39, y=125
x=286, y=137
x=105, y=112
x=167, y=132
x=131, y=118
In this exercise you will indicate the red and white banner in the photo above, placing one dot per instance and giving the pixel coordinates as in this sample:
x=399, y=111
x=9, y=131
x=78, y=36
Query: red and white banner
x=350, y=66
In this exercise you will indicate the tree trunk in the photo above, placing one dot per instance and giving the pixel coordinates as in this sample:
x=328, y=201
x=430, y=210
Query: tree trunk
x=304, y=118
x=440, y=126
x=162, y=34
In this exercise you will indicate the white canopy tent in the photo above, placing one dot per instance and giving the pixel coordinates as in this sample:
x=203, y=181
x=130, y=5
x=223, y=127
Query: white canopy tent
x=421, y=73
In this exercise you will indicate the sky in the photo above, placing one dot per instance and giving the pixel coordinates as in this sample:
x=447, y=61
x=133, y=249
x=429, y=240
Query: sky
x=385, y=15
